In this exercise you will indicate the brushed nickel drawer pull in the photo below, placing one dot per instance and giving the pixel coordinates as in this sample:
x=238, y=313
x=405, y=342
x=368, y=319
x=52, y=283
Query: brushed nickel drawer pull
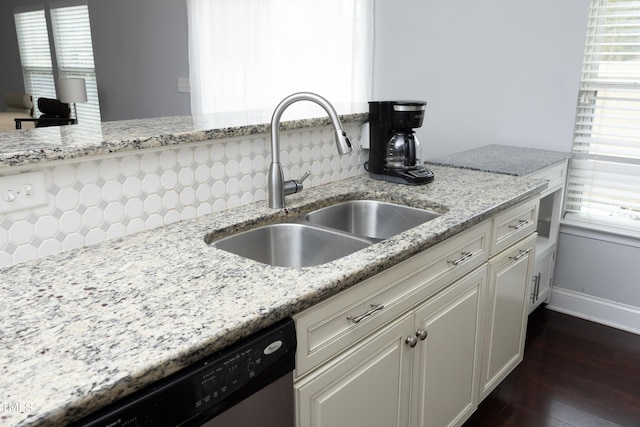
x=465, y=255
x=521, y=223
x=358, y=319
x=520, y=255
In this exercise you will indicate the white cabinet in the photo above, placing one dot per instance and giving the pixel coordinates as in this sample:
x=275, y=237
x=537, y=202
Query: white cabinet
x=507, y=311
x=513, y=225
x=548, y=228
x=542, y=278
x=447, y=362
x=430, y=353
x=335, y=324
x=369, y=385
x=422, y=342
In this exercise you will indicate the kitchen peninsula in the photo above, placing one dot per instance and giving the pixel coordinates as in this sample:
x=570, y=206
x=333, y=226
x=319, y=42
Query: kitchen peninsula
x=92, y=139
x=86, y=326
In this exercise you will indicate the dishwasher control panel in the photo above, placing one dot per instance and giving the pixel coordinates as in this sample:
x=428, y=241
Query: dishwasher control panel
x=199, y=392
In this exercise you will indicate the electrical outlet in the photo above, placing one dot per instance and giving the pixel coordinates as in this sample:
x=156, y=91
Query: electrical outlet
x=184, y=85
x=22, y=191
x=364, y=136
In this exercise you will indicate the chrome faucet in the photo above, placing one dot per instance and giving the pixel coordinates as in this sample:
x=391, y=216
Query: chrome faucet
x=278, y=188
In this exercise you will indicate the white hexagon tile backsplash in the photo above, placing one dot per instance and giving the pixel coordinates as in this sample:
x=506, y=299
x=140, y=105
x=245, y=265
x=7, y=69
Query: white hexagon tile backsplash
x=96, y=199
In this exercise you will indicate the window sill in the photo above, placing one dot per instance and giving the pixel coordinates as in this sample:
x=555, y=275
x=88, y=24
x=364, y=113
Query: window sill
x=601, y=231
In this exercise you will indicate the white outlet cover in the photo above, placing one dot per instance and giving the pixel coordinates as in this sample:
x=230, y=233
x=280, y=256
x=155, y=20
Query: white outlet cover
x=22, y=191
x=364, y=136
x=184, y=85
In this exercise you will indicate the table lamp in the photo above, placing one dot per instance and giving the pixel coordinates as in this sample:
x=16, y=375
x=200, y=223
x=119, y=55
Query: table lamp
x=71, y=91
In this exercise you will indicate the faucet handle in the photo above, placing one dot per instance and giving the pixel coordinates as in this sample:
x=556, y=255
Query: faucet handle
x=295, y=185
x=305, y=176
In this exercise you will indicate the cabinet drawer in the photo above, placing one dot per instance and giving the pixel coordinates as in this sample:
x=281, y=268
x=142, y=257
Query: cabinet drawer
x=555, y=175
x=340, y=321
x=514, y=224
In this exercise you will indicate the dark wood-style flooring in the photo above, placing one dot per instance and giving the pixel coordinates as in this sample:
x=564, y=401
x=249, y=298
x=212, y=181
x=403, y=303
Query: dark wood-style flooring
x=575, y=373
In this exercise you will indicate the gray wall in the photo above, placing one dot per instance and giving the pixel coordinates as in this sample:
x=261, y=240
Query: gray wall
x=601, y=267
x=597, y=277
x=495, y=71
x=140, y=50
x=507, y=72
x=10, y=71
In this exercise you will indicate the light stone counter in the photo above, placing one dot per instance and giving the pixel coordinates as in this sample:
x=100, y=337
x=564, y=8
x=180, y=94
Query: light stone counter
x=86, y=327
x=505, y=159
x=28, y=146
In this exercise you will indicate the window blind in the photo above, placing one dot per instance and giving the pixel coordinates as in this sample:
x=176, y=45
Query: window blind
x=603, y=185
x=74, y=54
x=35, y=56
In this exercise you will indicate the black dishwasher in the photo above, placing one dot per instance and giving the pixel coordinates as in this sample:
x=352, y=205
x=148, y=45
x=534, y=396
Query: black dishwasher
x=254, y=374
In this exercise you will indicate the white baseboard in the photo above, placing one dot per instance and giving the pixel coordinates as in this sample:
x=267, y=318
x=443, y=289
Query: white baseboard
x=610, y=313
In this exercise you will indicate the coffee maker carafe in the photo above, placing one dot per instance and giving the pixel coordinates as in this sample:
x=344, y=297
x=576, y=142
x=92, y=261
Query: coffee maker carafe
x=394, y=152
x=403, y=151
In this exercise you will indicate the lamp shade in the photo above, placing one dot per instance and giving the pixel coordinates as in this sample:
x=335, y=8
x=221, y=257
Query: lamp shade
x=72, y=90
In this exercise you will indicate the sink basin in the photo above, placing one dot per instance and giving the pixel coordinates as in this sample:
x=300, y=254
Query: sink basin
x=370, y=218
x=291, y=245
x=325, y=234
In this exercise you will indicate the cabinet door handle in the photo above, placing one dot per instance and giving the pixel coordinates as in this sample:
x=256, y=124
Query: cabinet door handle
x=358, y=319
x=422, y=334
x=521, y=223
x=465, y=255
x=520, y=255
x=534, y=294
x=411, y=341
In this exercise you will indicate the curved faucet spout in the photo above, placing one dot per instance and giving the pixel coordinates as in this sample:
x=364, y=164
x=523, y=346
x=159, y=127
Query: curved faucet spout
x=276, y=180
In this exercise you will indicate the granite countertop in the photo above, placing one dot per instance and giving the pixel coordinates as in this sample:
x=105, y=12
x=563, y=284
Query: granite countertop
x=85, y=327
x=503, y=159
x=29, y=146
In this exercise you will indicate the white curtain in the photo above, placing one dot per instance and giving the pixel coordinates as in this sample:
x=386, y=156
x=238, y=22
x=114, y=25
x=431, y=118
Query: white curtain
x=250, y=54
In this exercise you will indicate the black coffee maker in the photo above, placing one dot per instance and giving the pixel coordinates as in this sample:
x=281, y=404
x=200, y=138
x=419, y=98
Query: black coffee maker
x=394, y=149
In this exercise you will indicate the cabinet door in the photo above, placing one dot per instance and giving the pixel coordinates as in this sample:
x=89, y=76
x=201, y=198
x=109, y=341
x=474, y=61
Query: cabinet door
x=544, y=287
x=542, y=278
x=447, y=363
x=507, y=311
x=367, y=386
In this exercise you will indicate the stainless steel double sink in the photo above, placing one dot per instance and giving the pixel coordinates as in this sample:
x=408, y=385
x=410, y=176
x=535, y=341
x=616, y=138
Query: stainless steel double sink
x=325, y=234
